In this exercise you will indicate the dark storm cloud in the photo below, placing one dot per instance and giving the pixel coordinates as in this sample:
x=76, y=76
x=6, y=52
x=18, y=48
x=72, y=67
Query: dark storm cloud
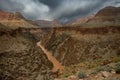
x=64, y=10
x=85, y=10
x=10, y=6
x=73, y=9
x=51, y=3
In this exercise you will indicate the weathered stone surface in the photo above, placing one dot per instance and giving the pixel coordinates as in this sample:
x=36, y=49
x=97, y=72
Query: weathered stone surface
x=82, y=44
x=21, y=59
x=15, y=20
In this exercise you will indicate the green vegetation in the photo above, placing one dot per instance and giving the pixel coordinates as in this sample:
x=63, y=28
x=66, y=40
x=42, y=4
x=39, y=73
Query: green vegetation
x=107, y=68
x=65, y=75
x=104, y=68
x=115, y=59
x=113, y=78
x=81, y=74
x=117, y=68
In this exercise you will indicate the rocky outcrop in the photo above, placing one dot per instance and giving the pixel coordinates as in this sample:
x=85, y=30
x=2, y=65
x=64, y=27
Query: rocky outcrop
x=74, y=45
x=79, y=21
x=21, y=59
x=108, y=16
x=14, y=20
x=108, y=11
x=10, y=16
x=38, y=33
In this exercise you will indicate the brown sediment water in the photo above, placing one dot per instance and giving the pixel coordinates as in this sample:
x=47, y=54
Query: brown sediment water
x=56, y=64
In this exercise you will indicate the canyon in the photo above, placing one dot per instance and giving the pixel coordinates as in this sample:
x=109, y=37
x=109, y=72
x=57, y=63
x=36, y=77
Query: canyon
x=56, y=65
x=45, y=50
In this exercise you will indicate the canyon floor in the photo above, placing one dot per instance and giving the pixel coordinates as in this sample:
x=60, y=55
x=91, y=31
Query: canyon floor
x=56, y=64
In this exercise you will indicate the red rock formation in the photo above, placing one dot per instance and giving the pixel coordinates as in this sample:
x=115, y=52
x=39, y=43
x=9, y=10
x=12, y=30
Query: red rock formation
x=79, y=21
x=14, y=20
x=108, y=14
x=10, y=16
x=109, y=11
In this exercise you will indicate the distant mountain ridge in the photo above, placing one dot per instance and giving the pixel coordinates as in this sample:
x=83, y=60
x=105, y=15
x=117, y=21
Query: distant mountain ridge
x=80, y=20
x=14, y=20
x=45, y=23
x=108, y=16
x=109, y=11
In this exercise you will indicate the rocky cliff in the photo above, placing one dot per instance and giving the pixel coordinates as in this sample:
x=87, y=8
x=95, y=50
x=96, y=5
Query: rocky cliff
x=21, y=59
x=14, y=20
x=109, y=11
x=79, y=21
x=82, y=44
x=108, y=16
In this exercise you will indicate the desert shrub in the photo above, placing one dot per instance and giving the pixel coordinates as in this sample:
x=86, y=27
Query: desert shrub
x=117, y=68
x=107, y=68
x=111, y=78
x=116, y=59
x=81, y=74
x=65, y=75
x=97, y=70
x=104, y=68
x=94, y=73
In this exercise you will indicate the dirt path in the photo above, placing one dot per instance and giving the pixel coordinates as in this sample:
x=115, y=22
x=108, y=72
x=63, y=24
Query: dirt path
x=56, y=64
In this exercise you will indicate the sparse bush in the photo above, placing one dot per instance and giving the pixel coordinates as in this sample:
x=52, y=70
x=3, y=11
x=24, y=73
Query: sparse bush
x=65, y=75
x=113, y=78
x=98, y=69
x=104, y=68
x=116, y=59
x=94, y=72
x=117, y=68
x=107, y=68
x=81, y=74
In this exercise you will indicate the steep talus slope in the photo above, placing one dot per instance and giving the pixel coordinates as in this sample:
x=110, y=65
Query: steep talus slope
x=38, y=33
x=109, y=11
x=21, y=59
x=82, y=44
x=14, y=20
x=79, y=21
x=108, y=16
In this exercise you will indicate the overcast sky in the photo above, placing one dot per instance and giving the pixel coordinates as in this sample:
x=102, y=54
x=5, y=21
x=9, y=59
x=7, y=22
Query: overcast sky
x=63, y=10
